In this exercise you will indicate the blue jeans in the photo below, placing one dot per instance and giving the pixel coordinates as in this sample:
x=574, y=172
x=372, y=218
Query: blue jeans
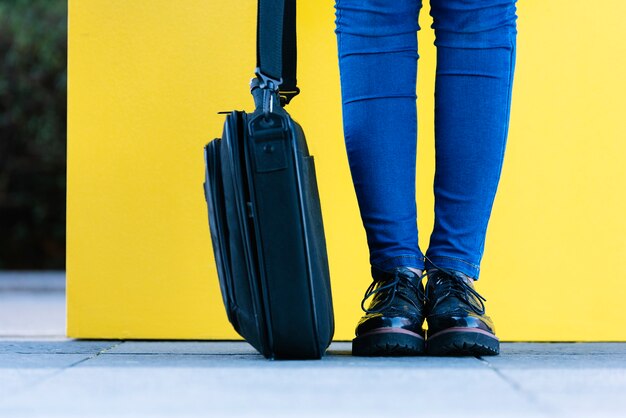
x=377, y=45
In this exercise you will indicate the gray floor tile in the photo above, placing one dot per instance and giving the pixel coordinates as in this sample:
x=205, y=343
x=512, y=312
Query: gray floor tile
x=587, y=392
x=20, y=372
x=245, y=385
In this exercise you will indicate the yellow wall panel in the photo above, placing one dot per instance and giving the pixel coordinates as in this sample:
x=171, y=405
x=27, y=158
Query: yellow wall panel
x=147, y=78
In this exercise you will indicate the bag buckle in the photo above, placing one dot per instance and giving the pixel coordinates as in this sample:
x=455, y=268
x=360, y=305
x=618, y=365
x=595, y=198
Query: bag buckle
x=267, y=81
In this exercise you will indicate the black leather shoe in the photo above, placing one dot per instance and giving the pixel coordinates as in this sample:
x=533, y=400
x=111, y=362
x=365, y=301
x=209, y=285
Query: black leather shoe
x=455, y=313
x=392, y=325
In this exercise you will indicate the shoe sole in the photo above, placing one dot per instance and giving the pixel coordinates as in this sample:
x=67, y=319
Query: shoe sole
x=463, y=342
x=388, y=342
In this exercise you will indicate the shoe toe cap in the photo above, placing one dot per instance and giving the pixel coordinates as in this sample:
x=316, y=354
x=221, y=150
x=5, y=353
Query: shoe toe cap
x=437, y=323
x=377, y=321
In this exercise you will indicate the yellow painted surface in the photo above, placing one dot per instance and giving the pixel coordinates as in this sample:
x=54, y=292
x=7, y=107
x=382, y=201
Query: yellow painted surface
x=147, y=78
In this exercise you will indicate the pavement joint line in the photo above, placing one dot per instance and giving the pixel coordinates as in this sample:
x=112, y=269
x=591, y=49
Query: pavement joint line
x=516, y=386
x=27, y=353
x=62, y=369
x=182, y=354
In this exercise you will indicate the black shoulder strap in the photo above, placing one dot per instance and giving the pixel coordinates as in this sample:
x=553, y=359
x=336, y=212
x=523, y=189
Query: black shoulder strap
x=276, y=46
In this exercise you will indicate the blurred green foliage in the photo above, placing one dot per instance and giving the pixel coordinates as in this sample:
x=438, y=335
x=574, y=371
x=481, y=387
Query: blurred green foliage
x=33, y=57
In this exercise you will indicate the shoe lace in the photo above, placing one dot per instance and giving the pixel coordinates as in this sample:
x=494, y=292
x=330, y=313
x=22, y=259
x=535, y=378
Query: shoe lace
x=455, y=285
x=390, y=287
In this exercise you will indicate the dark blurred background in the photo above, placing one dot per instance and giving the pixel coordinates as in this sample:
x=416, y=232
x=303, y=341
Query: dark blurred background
x=33, y=81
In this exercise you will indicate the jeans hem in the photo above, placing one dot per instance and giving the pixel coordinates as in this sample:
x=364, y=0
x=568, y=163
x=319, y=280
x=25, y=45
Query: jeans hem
x=453, y=263
x=409, y=260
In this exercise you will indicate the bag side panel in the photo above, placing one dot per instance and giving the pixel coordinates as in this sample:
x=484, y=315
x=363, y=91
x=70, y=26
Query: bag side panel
x=214, y=196
x=243, y=264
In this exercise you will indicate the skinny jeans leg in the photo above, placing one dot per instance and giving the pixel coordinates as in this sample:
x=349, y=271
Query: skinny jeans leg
x=377, y=44
x=476, y=43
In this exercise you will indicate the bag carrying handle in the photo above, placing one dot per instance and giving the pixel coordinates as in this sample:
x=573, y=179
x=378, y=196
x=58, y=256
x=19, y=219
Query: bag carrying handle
x=277, y=47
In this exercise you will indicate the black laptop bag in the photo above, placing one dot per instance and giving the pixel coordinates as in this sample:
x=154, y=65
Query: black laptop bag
x=264, y=209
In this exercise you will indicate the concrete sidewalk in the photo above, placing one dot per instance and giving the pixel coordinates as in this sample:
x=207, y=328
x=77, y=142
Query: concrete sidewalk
x=47, y=375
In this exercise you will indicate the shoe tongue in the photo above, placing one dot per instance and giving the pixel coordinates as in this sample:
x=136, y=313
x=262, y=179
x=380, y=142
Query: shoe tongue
x=435, y=275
